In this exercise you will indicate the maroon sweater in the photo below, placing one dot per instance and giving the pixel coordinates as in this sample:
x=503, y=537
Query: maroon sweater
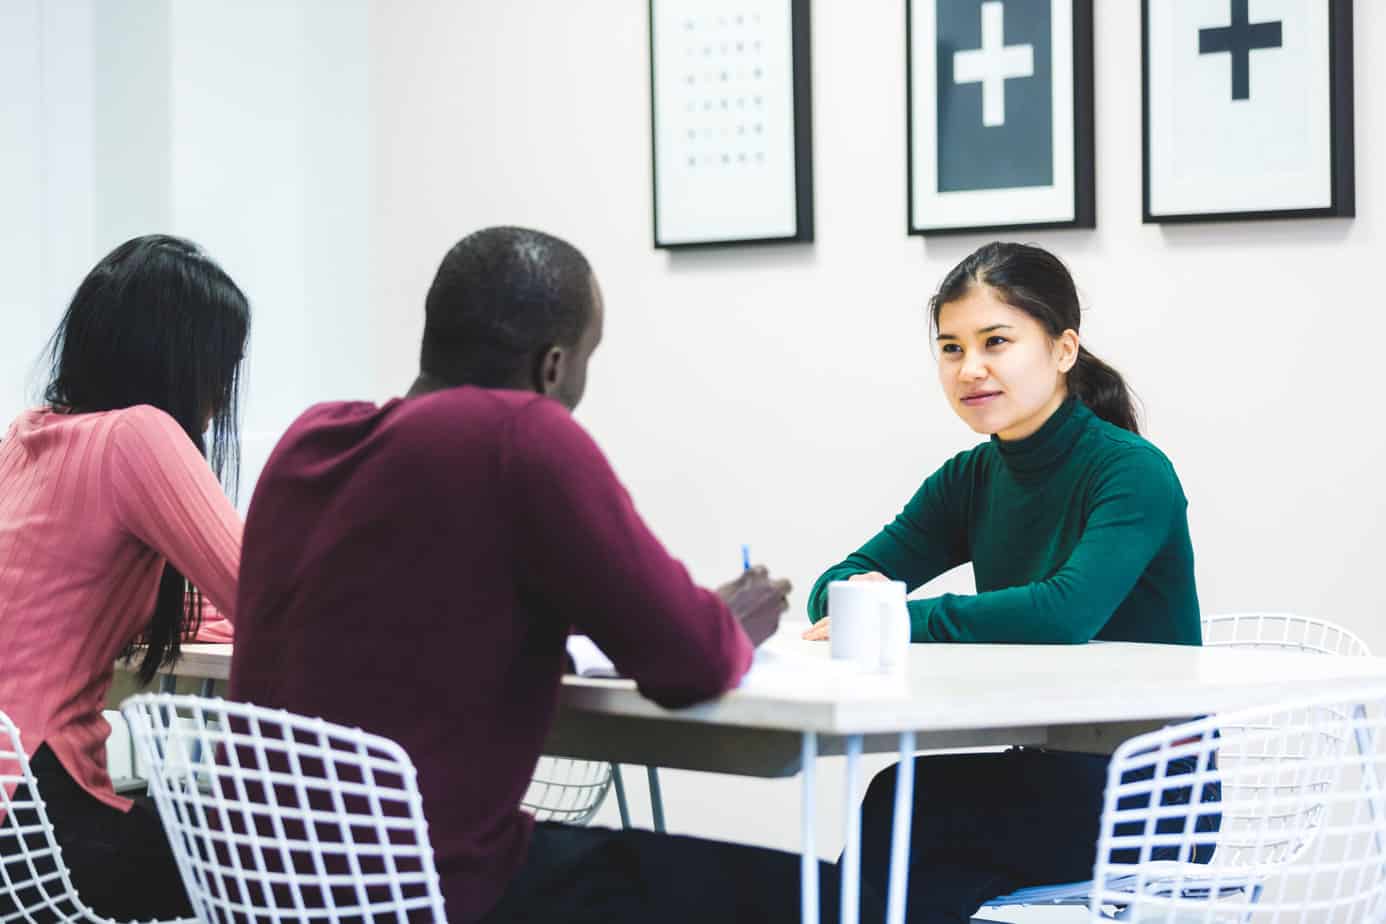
x=415, y=568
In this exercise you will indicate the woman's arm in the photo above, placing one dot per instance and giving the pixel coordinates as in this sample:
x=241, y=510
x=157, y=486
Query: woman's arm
x=1134, y=507
x=165, y=495
x=927, y=538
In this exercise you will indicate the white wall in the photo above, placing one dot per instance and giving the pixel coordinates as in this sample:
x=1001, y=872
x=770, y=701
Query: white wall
x=21, y=320
x=243, y=127
x=270, y=171
x=84, y=161
x=785, y=396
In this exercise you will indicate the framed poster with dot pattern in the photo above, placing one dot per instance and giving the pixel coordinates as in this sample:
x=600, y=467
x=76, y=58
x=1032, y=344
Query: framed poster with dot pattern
x=731, y=123
x=1248, y=109
x=999, y=115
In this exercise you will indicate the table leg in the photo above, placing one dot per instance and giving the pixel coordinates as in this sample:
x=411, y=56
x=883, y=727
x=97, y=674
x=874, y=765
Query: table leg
x=808, y=864
x=900, y=831
x=620, y=795
x=656, y=799
x=1366, y=749
x=851, y=854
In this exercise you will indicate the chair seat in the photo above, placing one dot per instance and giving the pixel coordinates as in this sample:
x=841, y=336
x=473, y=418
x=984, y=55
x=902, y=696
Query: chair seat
x=1067, y=893
x=1077, y=893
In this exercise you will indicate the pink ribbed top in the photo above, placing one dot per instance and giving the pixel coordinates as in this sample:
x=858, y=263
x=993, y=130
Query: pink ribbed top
x=91, y=508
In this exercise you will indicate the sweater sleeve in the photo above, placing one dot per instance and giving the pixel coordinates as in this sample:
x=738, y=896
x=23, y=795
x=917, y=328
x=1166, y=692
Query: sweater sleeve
x=926, y=539
x=165, y=495
x=1133, y=507
x=587, y=557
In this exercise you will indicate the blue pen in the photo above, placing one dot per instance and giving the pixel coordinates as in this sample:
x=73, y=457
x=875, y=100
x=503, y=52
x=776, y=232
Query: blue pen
x=745, y=558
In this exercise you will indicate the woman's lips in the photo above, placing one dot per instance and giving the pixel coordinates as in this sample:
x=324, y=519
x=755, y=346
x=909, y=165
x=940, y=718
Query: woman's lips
x=980, y=398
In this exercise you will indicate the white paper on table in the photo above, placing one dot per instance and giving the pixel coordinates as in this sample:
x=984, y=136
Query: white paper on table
x=588, y=659
x=784, y=672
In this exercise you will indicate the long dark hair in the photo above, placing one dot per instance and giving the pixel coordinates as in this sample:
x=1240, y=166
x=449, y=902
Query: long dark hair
x=1037, y=282
x=157, y=322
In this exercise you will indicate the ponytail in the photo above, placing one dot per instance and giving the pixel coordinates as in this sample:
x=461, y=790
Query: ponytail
x=1103, y=390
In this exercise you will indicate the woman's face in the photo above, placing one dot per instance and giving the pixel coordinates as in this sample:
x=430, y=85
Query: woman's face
x=999, y=367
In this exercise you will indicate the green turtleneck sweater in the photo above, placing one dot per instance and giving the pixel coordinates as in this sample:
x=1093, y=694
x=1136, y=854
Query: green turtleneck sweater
x=1076, y=532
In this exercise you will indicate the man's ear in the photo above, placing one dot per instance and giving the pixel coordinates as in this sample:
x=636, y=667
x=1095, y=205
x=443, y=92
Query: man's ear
x=549, y=368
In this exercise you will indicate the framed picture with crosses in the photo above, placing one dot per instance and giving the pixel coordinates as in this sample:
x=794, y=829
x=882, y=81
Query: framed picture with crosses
x=1248, y=109
x=999, y=115
x=730, y=122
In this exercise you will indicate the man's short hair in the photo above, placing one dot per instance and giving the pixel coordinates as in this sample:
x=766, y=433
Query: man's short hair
x=500, y=296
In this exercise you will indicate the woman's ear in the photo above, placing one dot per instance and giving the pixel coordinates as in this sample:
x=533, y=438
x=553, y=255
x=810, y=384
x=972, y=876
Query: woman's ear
x=1066, y=349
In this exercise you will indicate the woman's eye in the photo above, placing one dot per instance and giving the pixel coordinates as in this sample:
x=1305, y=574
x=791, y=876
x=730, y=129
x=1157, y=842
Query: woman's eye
x=951, y=348
x=996, y=341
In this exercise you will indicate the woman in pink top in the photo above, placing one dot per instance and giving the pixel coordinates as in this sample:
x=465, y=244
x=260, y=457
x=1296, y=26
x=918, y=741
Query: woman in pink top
x=113, y=527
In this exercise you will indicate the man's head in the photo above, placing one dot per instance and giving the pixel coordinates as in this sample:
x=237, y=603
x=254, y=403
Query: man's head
x=513, y=308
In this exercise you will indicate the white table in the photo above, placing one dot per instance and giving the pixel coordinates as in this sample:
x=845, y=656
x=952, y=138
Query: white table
x=1081, y=697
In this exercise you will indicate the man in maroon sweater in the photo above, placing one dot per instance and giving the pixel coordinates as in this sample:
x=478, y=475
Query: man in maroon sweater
x=415, y=568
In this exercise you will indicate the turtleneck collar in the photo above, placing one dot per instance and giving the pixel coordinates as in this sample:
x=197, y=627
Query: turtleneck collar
x=1043, y=450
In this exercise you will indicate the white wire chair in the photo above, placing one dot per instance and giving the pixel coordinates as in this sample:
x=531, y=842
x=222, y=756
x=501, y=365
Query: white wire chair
x=571, y=791
x=1303, y=819
x=278, y=817
x=567, y=790
x=1282, y=631
x=35, y=885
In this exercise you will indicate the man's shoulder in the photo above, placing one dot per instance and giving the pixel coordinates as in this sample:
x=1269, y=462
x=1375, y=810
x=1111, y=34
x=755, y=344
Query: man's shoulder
x=463, y=422
x=328, y=414
x=433, y=414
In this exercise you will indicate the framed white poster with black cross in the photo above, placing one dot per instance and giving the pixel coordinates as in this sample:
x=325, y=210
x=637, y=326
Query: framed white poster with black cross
x=999, y=115
x=1248, y=110
x=730, y=117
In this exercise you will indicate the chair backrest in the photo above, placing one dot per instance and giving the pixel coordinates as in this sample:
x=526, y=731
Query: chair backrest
x=567, y=790
x=34, y=882
x=278, y=817
x=1282, y=630
x=1303, y=816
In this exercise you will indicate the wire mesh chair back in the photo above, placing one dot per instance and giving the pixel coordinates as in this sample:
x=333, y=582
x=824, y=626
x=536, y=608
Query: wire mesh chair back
x=1284, y=631
x=34, y=881
x=566, y=790
x=275, y=817
x=1303, y=817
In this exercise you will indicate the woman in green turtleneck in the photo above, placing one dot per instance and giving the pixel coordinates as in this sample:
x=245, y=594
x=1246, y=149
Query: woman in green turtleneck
x=1076, y=530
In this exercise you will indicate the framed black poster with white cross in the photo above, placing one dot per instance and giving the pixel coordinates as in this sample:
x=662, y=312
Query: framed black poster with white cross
x=1248, y=109
x=999, y=115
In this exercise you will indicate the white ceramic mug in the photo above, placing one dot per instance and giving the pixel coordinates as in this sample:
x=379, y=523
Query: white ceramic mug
x=871, y=624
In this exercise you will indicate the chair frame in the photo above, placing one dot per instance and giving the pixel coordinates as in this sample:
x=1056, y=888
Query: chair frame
x=1281, y=769
x=350, y=840
x=1253, y=629
x=1282, y=631
x=56, y=896
x=567, y=790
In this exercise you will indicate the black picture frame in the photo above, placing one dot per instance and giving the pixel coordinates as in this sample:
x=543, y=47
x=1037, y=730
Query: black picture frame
x=1080, y=209
x=1342, y=181
x=800, y=83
